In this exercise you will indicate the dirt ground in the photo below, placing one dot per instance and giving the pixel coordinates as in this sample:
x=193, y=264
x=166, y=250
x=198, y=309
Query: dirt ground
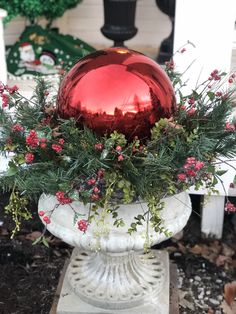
x=29, y=273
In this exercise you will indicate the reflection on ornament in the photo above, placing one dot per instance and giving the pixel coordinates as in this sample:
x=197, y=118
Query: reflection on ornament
x=116, y=89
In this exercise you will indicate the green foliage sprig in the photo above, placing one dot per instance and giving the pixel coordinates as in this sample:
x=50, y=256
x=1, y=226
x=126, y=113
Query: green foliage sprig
x=17, y=208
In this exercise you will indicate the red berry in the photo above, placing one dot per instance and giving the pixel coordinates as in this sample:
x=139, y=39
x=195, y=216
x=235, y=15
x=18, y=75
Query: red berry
x=182, y=177
x=229, y=127
x=118, y=149
x=29, y=157
x=230, y=207
x=12, y=90
x=9, y=141
x=191, y=160
x=96, y=190
x=217, y=77
x=61, y=141
x=214, y=73
x=230, y=80
x=62, y=199
x=170, y=65
x=46, y=219
x=98, y=146
x=32, y=139
x=218, y=94
x=191, y=101
x=57, y=148
x=41, y=213
x=60, y=194
x=17, y=128
x=191, y=173
x=46, y=121
x=199, y=165
x=66, y=200
x=91, y=181
x=120, y=158
x=191, y=111
x=95, y=197
x=82, y=225
x=100, y=173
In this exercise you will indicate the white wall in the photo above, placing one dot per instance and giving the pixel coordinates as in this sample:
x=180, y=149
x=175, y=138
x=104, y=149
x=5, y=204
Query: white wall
x=86, y=19
x=3, y=72
x=209, y=25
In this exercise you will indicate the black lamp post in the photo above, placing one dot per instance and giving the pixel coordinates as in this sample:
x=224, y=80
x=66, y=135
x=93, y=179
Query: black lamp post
x=166, y=49
x=119, y=16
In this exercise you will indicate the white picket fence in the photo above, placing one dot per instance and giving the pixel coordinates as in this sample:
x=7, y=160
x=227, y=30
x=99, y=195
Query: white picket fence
x=212, y=214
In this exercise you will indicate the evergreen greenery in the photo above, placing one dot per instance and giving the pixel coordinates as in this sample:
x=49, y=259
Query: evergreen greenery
x=51, y=154
x=34, y=9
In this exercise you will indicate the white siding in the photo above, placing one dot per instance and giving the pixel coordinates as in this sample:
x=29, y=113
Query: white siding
x=13, y=30
x=86, y=19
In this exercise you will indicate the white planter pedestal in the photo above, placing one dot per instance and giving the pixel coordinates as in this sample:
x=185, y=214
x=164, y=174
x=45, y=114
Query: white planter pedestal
x=141, y=296
x=108, y=272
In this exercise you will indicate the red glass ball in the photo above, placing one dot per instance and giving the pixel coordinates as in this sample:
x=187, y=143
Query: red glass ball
x=116, y=89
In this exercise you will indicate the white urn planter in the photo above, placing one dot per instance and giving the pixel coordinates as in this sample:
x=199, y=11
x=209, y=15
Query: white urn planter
x=108, y=270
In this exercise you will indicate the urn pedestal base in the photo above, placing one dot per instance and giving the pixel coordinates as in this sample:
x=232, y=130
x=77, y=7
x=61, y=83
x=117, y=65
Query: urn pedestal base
x=134, y=283
x=108, y=272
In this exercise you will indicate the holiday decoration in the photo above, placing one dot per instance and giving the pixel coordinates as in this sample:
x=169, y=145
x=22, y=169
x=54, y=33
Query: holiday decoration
x=42, y=51
x=112, y=195
x=116, y=89
x=53, y=156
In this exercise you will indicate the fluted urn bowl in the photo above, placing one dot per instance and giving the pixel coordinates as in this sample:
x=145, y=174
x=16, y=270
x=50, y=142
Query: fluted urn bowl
x=109, y=269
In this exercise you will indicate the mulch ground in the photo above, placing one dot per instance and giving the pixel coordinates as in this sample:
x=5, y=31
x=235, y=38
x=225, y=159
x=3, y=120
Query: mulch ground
x=29, y=273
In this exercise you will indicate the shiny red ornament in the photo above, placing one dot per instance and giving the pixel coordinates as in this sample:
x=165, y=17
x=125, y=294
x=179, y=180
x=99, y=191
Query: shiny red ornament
x=116, y=89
